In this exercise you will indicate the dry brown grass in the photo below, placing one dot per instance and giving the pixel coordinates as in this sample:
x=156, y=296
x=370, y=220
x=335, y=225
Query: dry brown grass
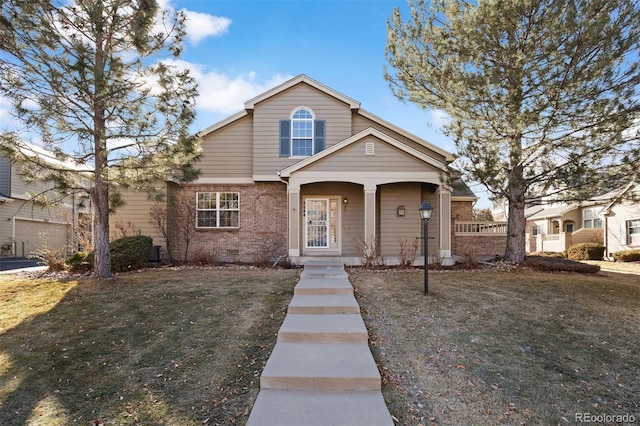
x=186, y=346
x=516, y=347
x=159, y=347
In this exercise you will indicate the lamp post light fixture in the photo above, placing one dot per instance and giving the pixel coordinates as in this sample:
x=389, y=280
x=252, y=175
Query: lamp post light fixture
x=425, y=214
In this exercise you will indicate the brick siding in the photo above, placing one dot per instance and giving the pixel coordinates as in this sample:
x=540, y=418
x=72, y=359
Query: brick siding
x=263, y=225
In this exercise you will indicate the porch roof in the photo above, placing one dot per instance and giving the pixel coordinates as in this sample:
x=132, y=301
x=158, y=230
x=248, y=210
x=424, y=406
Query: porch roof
x=285, y=173
x=553, y=212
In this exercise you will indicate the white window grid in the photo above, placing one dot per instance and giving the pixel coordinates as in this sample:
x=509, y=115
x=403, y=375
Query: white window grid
x=217, y=210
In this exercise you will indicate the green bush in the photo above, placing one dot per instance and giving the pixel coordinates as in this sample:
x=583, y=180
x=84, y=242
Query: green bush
x=128, y=253
x=554, y=264
x=78, y=262
x=585, y=251
x=627, y=256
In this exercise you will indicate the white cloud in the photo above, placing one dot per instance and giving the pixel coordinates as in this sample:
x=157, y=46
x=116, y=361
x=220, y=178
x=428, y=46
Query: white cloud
x=225, y=94
x=201, y=25
x=439, y=118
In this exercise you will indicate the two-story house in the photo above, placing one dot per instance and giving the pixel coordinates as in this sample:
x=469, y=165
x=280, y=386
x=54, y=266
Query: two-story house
x=304, y=172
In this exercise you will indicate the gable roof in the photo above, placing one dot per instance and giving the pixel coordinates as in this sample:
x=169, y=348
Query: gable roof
x=553, y=211
x=446, y=154
x=370, y=131
x=618, y=197
x=353, y=104
x=251, y=103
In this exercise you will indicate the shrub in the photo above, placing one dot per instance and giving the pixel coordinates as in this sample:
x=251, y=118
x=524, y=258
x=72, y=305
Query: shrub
x=554, y=264
x=586, y=251
x=627, y=256
x=128, y=253
x=78, y=263
x=54, y=259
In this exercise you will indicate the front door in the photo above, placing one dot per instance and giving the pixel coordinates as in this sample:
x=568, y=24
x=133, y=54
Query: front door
x=321, y=223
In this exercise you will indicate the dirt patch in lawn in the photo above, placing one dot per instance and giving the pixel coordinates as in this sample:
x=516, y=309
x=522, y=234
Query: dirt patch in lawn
x=517, y=347
x=168, y=346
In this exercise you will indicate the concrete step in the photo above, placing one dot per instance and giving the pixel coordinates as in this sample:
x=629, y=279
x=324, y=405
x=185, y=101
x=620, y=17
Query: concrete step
x=324, y=328
x=323, y=286
x=321, y=264
x=321, y=367
x=281, y=407
x=323, y=274
x=323, y=304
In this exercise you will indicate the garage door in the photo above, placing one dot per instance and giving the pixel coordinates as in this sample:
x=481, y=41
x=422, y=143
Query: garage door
x=33, y=235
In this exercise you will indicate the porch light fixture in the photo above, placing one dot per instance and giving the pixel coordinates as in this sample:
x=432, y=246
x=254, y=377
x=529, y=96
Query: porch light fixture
x=345, y=202
x=400, y=211
x=425, y=214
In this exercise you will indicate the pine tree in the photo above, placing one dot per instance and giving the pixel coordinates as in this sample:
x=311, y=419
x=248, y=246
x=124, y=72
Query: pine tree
x=541, y=94
x=95, y=81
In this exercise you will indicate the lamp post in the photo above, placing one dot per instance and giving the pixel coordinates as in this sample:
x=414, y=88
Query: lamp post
x=425, y=214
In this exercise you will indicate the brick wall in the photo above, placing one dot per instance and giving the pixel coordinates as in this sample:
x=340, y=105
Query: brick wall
x=263, y=224
x=477, y=246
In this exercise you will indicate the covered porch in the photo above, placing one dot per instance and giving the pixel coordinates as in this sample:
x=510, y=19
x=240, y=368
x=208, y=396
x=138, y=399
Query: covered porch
x=347, y=221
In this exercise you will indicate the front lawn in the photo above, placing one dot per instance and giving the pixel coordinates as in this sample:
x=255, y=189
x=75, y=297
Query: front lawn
x=521, y=347
x=187, y=346
x=160, y=347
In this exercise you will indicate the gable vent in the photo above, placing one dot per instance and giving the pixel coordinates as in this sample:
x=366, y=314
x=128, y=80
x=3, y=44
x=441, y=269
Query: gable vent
x=369, y=148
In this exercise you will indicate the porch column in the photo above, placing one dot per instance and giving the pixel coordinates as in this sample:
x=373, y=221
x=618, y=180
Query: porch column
x=444, y=216
x=294, y=221
x=369, y=215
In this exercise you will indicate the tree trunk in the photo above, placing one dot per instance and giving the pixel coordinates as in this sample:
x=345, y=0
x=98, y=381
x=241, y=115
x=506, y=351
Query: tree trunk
x=515, y=249
x=102, y=257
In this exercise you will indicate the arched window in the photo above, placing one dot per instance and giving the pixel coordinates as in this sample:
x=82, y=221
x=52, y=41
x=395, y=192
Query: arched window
x=302, y=121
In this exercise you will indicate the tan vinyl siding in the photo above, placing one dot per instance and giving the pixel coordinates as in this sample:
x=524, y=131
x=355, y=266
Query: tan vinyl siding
x=20, y=189
x=394, y=228
x=386, y=158
x=135, y=212
x=360, y=123
x=227, y=152
x=267, y=116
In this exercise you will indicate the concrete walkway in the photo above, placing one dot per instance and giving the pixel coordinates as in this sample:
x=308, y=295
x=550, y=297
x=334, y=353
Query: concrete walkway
x=321, y=371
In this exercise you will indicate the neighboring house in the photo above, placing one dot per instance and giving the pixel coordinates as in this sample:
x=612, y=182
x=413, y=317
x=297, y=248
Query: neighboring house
x=27, y=227
x=557, y=225
x=622, y=220
x=304, y=172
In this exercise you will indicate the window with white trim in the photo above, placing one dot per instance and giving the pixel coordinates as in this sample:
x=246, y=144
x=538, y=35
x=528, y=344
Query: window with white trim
x=633, y=232
x=217, y=210
x=590, y=219
x=302, y=133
